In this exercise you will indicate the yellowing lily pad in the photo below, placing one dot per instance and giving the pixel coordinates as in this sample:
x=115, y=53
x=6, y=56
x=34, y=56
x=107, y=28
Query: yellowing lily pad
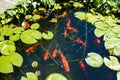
x=112, y=63
x=5, y=65
x=56, y=76
x=30, y=36
x=116, y=51
x=99, y=32
x=30, y=76
x=94, y=60
x=7, y=49
x=47, y=35
x=80, y=15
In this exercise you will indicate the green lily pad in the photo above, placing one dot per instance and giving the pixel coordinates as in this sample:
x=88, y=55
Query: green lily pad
x=2, y=38
x=15, y=59
x=5, y=65
x=111, y=43
x=94, y=60
x=14, y=37
x=47, y=35
x=28, y=16
x=30, y=76
x=30, y=36
x=6, y=31
x=56, y=76
x=18, y=30
x=35, y=26
x=80, y=15
x=7, y=49
x=99, y=32
x=116, y=51
x=101, y=25
x=6, y=42
x=116, y=29
x=112, y=63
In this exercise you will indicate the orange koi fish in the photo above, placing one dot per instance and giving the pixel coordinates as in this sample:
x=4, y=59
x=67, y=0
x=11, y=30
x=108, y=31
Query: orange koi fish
x=55, y=51
x=46, y=55
x=31, y=48
x=65, y=32
x=97, y=41
x=62, y=15
x=72, y=29
x=80, y=41
x=25, y=24
x=82, y=65
x=64, y=62
x=68, y=22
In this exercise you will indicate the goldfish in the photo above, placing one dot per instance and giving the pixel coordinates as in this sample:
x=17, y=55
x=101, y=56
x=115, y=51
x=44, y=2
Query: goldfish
x=78, y=40
x=46, y=55
x=97, y=41
x=54, y=53
x=65, y=32
x=68, y=22
x=62, y=15
x=64, y=62
x=25, y=24
x=31, y=48
x=82, y=65
x=72, y=29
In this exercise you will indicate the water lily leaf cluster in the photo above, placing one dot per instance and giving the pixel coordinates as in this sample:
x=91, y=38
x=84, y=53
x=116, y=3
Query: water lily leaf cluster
x=29, y=76
x=56, y=76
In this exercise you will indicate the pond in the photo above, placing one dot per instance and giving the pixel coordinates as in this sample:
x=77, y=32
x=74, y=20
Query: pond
x=73, y=51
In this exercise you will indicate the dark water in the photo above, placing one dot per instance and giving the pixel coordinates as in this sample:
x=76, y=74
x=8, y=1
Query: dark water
x=73, y=51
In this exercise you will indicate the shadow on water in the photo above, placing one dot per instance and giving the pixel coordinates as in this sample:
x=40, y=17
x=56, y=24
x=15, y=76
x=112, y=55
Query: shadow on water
x=73, y=51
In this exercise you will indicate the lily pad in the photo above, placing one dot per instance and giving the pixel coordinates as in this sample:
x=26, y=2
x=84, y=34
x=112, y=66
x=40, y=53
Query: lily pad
x=7, y=49
x=30, y=76
x=47, y=35
x=80, y=15
x=5, y=65
x=94, y=60
x=112, y=63
x=1, y=38
x=118, y=75
x=30, y=36
x=116, y=51
x=35, y=26
x=56, y=76
x=99, y=32
x=18, y=30
x=14, y=37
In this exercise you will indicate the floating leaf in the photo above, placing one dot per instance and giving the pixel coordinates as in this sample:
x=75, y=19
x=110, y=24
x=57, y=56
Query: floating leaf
x=28, y=16
x=30, y=76
x=36, y=17
x=99, y=32
x=116, y=29
x=116, y=51
x=77, y=4
x=2, y=38
x=94, y=59
x=35, y=26
x=30, y=36
x=7, y=49
x=15, y=59
x=112, y=63
x=5, y=65
x=47, y=35
x=80, y=15
x=111, y=43
x=14, y=37
x=6, y=31
x=53, y=20
x=56, y=76
x=18, y=30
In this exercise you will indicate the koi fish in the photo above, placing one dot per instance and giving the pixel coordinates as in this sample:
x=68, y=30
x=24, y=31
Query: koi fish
x=64, y=62
x=31, y=48
x=80, y=41
x=25, y=24
x=65, y=32
x=82, y=65
x=72, y=29
x=62, y=15
x=68, y=22
x=97, y=41
x=55, y=51
x=46, y=55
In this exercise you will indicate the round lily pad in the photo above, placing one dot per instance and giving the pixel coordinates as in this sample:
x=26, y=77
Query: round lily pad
x=112, y=63
x=14, y=37
x=23, y=78
x=94, y=60
x=5, y=66
x=18, y=30
x=56, y=76
x=30, y=36
x=31, y=76
x=2, y=38
x=7, y=49
x=116, y=51
x=47, y=35
x=99, y=32
x=80, y=15
x=35, y=26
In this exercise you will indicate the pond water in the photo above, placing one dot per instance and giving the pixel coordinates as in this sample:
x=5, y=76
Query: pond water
x=74, y=52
